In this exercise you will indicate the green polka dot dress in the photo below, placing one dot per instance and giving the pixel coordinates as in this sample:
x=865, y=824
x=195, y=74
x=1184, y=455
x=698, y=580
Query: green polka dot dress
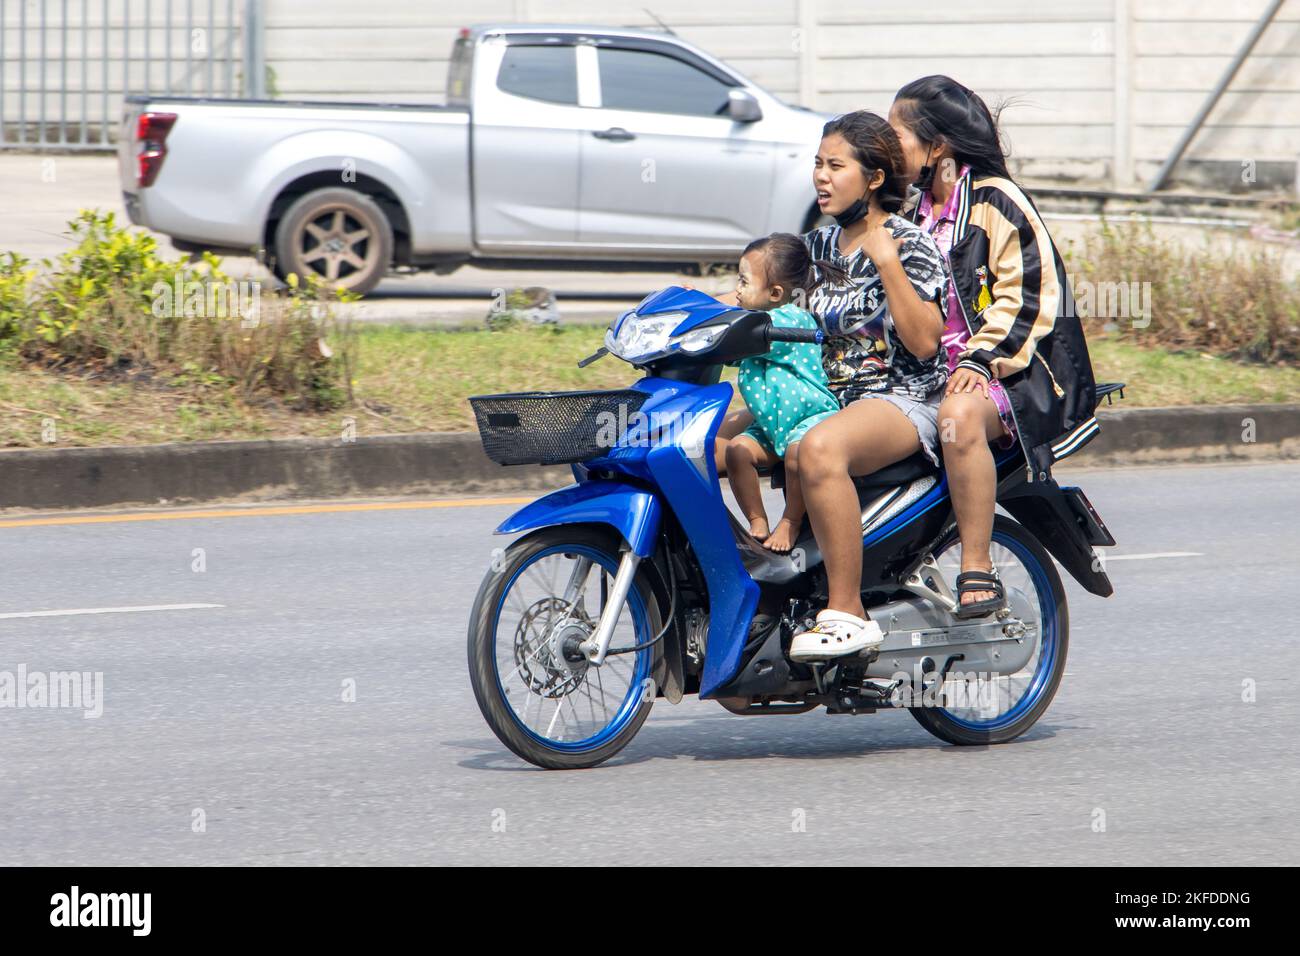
x=786, y=389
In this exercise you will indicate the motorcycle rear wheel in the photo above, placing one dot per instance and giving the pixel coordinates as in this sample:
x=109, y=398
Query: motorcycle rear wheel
x=1026, y=695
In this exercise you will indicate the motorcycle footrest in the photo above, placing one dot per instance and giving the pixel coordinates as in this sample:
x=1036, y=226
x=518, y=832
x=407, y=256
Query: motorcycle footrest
x=866, y=699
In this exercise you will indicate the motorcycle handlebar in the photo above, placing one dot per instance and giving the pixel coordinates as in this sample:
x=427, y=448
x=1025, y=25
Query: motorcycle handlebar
x=776, y=334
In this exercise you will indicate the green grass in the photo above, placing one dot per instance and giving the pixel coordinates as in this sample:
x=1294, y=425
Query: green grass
x=413, y=379
x=1157, y=377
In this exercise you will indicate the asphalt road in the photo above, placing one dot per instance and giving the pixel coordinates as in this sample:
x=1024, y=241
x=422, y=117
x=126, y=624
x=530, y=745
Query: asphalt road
x=233, y=717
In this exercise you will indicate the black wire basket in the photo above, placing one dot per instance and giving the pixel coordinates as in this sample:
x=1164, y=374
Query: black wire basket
x=553, y=428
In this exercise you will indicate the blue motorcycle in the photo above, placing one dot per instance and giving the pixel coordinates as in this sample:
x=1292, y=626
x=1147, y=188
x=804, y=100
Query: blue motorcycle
x=637, y=582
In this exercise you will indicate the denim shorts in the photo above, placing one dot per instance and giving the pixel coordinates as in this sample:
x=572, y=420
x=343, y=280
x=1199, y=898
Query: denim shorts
x=923, y=413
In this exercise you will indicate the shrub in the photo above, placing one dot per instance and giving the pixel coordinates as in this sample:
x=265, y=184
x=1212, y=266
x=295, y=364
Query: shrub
x=1230, y=300
x=112, y=304
x=15, y=296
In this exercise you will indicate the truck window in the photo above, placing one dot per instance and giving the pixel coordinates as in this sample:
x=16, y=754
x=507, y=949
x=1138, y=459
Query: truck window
x=653, y=82
x=547, y=73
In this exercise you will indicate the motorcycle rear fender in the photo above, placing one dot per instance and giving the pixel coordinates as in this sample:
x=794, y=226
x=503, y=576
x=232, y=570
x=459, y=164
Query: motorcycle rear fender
x=1041, y=506
x=633, y=512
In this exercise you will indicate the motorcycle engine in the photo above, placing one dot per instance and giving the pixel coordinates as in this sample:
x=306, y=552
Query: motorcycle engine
x=697, y=636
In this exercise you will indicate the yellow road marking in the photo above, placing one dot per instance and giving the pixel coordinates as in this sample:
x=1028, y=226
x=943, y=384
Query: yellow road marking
x=265, y=512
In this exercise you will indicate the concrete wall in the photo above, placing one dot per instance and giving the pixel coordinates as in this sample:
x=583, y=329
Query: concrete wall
x=1180, y=48
x=1099, y=90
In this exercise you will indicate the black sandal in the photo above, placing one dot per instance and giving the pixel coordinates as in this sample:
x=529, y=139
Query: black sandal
x=969, y=581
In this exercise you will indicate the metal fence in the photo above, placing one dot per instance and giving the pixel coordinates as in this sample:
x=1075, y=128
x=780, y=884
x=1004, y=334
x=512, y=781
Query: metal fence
x=66, y=65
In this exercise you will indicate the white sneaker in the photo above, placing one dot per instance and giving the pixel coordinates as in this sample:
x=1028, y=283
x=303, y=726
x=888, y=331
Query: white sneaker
x=834, y=635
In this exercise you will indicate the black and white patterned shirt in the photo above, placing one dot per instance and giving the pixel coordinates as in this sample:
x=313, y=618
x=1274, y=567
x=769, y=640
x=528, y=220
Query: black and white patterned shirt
x=863, y=352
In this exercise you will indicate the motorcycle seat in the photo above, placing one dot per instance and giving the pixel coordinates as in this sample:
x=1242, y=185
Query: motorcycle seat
x=899, y=473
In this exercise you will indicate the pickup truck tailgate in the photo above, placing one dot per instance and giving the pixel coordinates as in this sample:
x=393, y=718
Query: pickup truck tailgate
x=127, y=146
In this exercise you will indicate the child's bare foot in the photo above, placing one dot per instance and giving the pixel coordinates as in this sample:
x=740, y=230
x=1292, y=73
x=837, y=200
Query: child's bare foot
x=758, y=528
x=783, y=536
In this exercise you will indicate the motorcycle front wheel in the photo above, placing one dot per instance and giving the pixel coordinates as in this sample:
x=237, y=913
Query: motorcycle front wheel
x=536, y=690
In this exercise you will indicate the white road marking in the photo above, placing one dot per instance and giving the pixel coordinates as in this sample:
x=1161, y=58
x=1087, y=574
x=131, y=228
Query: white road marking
x=110, y=610
x=1154, y=554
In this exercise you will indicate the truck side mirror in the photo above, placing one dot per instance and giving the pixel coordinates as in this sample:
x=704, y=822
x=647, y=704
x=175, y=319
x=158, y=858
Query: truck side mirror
x=742, y=107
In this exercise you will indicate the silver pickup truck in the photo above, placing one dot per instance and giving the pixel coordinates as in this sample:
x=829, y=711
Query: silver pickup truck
x=558, y=147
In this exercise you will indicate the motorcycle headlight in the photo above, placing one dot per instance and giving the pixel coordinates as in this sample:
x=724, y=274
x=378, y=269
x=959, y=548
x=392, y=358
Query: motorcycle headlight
x=701, y=339
x=640, y=337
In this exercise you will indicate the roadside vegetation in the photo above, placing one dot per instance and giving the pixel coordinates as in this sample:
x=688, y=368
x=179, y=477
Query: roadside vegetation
x=112, y=310
x=1160, y=294
x=92, y=351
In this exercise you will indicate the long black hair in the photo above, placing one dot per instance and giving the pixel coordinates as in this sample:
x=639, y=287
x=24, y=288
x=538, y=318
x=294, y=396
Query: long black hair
x=938, y=107
x=875, y=146
x=791, y=266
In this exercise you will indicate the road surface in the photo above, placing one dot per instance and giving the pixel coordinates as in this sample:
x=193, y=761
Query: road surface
x=225, y=737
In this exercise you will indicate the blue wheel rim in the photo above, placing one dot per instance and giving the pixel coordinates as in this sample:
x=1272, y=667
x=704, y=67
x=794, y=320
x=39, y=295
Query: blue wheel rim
x=1048, y=649
x=631, y=702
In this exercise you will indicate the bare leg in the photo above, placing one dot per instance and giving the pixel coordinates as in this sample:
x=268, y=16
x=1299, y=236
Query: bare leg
x=743, y=457
x=967, y=423
x=860, y=439
x=786, y=531
x=732, y=425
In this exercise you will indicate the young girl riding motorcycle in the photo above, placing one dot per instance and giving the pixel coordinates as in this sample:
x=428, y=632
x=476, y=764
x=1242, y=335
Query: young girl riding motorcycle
x=882, y=357
x=785, y=390
x=885, y=327
x=1019, y=363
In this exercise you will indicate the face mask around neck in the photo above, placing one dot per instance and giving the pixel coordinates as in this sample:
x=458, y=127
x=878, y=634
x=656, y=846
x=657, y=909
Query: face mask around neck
x=926, y=179
x=855, y=212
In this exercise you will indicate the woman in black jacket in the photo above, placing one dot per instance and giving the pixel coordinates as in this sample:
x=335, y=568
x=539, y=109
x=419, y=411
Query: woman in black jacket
x=1019, y=362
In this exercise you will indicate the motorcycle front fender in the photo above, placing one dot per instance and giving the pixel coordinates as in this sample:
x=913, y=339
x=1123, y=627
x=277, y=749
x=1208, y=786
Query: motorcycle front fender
x=633, y=512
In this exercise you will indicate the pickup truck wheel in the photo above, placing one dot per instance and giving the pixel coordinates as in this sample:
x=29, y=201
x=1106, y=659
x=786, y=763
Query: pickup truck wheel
x=340, y=235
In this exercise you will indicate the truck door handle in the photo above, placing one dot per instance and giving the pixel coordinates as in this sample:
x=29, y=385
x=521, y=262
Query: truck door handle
x=615, y=134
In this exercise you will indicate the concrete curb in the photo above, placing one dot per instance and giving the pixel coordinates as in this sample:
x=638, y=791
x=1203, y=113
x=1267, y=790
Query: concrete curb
x=432, y=463
x=447, y=463
x=1205, y=433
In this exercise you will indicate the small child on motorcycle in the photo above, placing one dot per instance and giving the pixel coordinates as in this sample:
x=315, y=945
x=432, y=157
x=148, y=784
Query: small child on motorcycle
x=786, y=389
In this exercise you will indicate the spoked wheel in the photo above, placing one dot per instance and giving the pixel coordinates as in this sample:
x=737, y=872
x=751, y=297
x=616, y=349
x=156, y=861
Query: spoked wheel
x=995, y=709
x=340, y=235
x=536, y=689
